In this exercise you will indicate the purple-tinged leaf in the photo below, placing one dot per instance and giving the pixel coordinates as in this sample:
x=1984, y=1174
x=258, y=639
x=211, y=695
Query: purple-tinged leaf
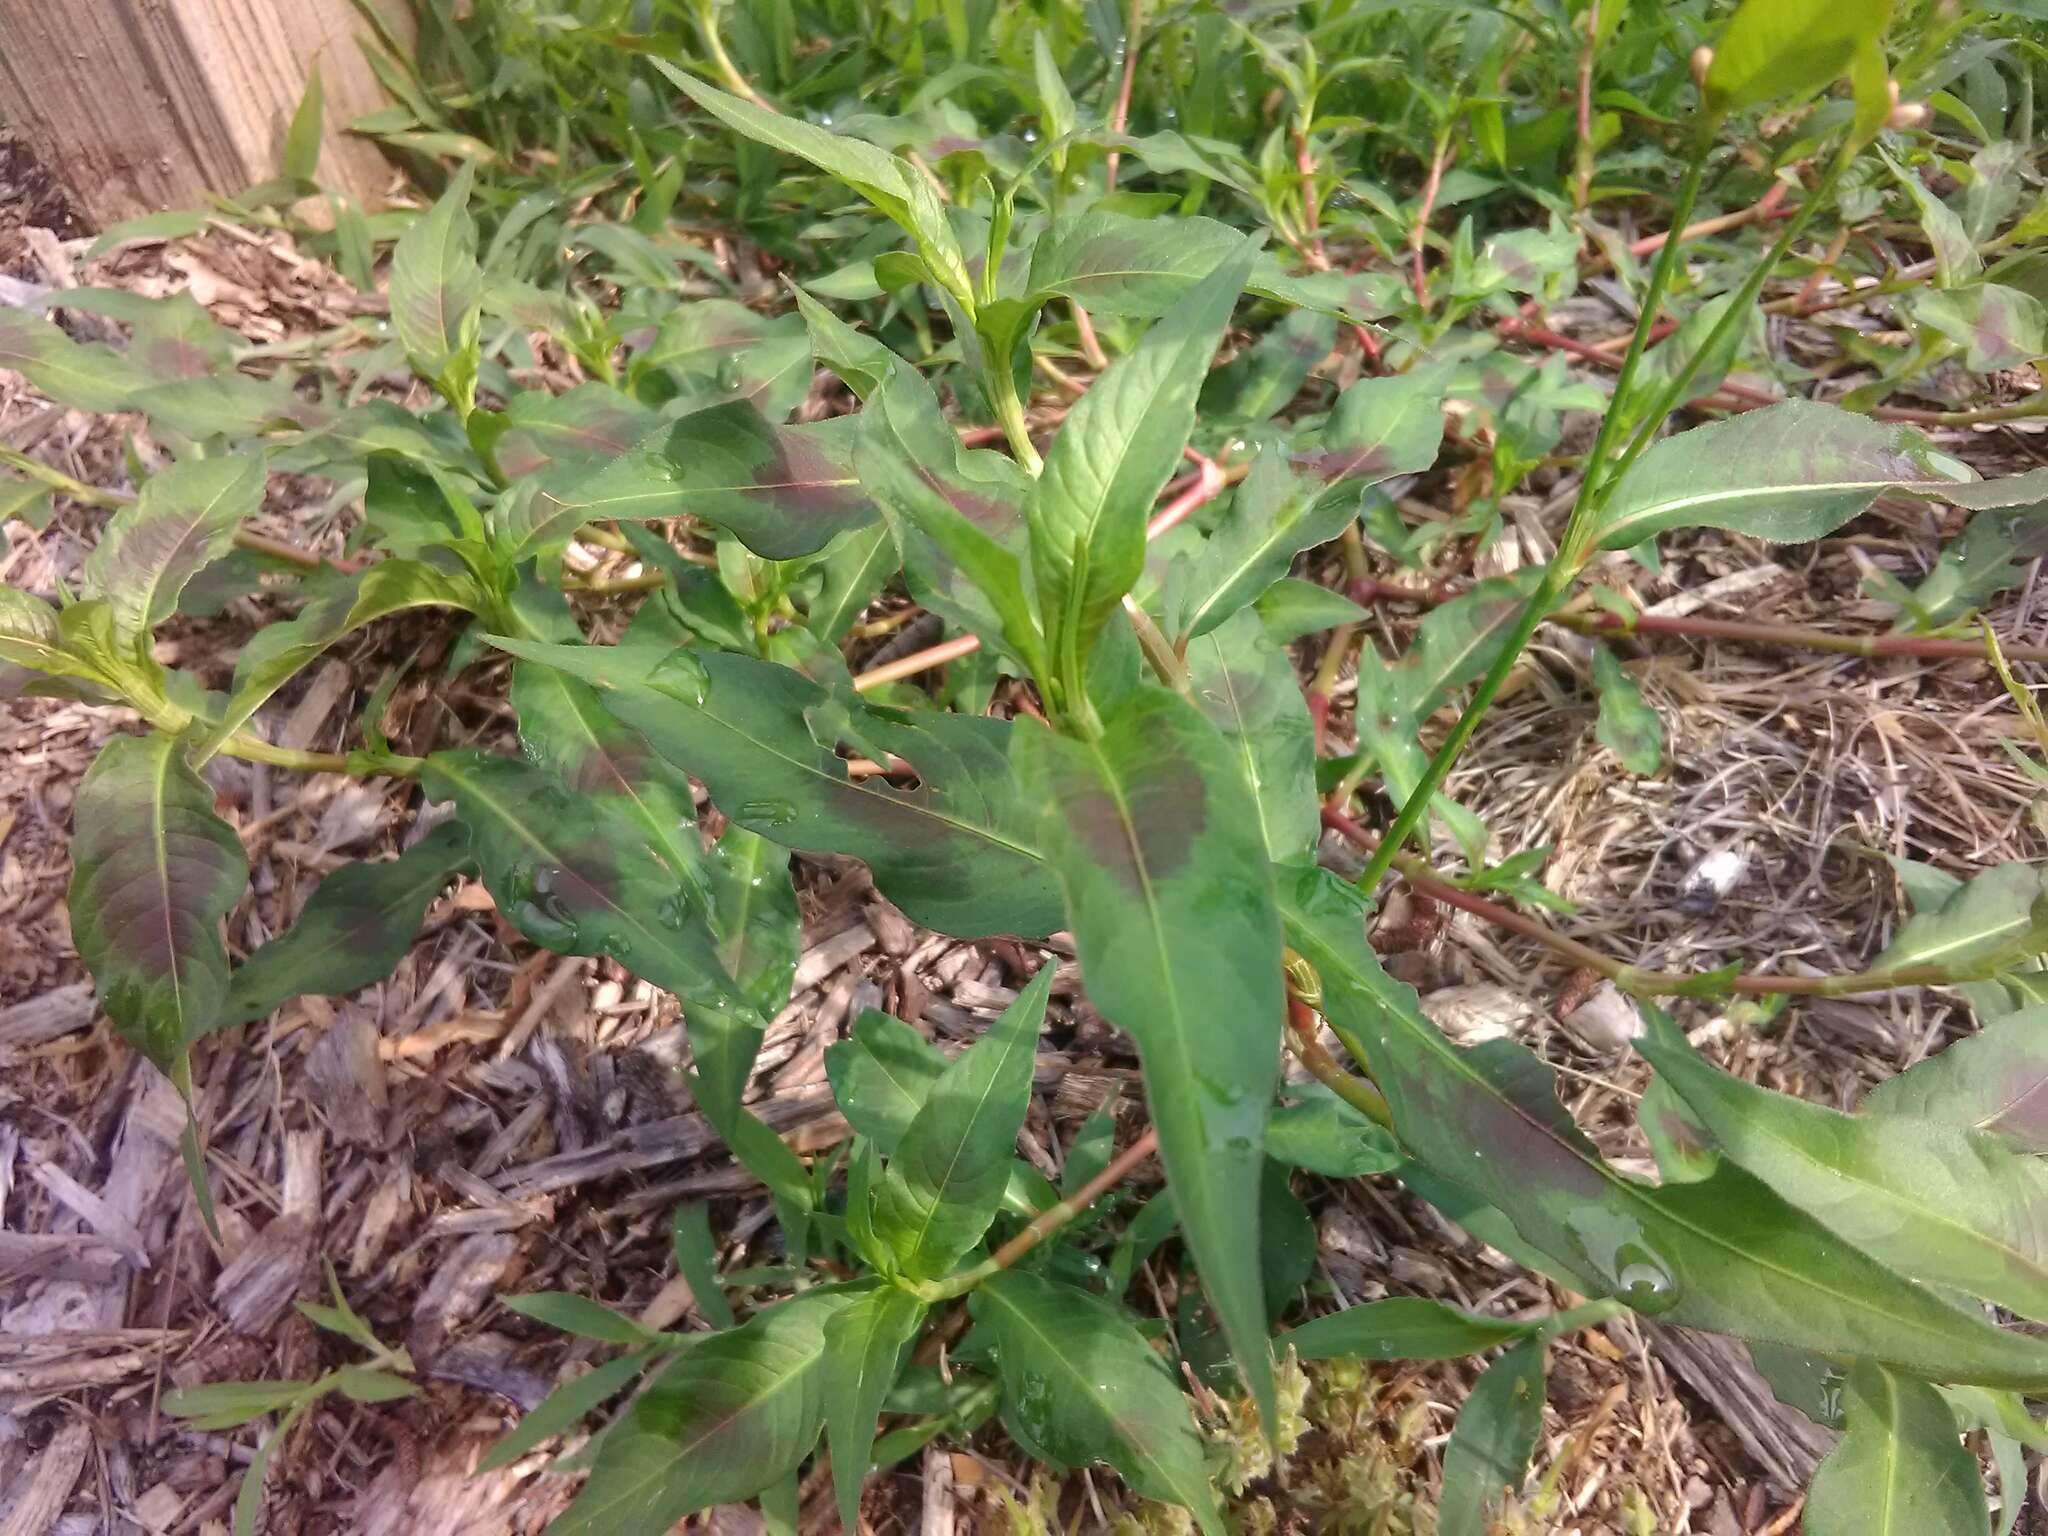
x=1244, y=682
x=1170, y=899
x=1725, y=1253
x=591, y=423
x=715, y=351
x=437, y=293
x=85, y=376
x=154, y=870
x=784, y=492
x=1995, y=1080
x=184, y=520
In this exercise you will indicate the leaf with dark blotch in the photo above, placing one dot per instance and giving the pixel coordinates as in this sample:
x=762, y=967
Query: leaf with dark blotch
x=1995, y=922
x=1401, y=1328
x=1260, y=381
x=881, y=1074
x=958, y=515
x=958, y=853
x=716, y=352
x=576, y=876
x=1170, y=899
x=735, y=1413
x=184, y=519
x=588, y=424
x=154, y=871
x=1787, y=473
x=1120, y=444
x=864, y=1345
x=1901, y=1468
x=86, y=376
x=1081, y=1385
x=784, y=492
x=1628, y=726
x=173, y=338
x=1952, y=1207
x=343, y=604
x=353, y=931
x=1726, y=1253
x=437, y=291
x=1490, y=1445
x=1995, y=1080
x=1997, y=327
x=1118, y=265
x=944, y=1183
x=1245, y=684
x=1380, y=427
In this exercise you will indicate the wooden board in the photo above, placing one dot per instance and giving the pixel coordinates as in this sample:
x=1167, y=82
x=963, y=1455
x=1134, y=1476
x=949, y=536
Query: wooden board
x=139, y=105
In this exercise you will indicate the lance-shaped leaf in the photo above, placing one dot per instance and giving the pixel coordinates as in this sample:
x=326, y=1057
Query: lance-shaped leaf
x=590, y=423
x=1119, y=446
x=945, y=1181
x=576, y=876
x=343, y=604
x=754, y=914
x=1628, y=727
x=1901, y=1469
x=864, y=1345
x=1997, y=920
x=875, y=174
x=1945, y=1205
x=1244, y=682
x=1118, y=265
x=154, y=871
x=1260, y=381
x=354, y=929
x=86, y=376
x=437, y=292
x=31, y=637
x=717, y=352
x=958, y=515
x=1787, y=473
x=1380, y=428
x=784, y=492
x=736, y=1412
x=1995, y=1080
x=854, y=570
x=1775, y=49
x=1490, y=1445
x=1998, y=327
x=881, y=1074
x=1454, y=645
x=1170, y=899
x=184, y=520
x=1081, y=1385
x=1402, y=1328
x=1725, y=1253
x=958, y=853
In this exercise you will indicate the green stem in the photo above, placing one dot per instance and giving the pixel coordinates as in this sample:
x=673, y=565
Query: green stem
x=1009, y=409
x=60, y=482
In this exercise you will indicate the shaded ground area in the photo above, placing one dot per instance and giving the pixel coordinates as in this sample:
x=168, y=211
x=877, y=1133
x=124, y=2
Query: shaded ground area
x=495, y=1120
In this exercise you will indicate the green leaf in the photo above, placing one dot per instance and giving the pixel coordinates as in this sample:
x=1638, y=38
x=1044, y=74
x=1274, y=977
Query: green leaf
x=581, y=1316
x=1629, y=727
x=1900, y=1470
x=30, y=637
x=577, y=877
x=1996, y=921
x=353, y=931
x=1292, y=608
x=754, y=913
x=1787, y=473
x=1170, y=899
x=1244, y=683
x=855, y=568
x=1774, y=50
x=697, y=1262
x=1259, y=382
x=437, y=293
x=1402, y=1328
x=154, y=871
x=1948, y=1206
x=279, y=652
x=1995, y=1080
x=1119, y=446
x=226, y=1404
x=301, y=159
x=1380, y=428
x=1990, y=556
x=85, y=376
x=1055, y=102
x=1996, y=327
x=864, y=1346
x=718, y=352
x=944, y=1183
x=958, y=515
x=1492, y=1441
x=735, y=1413
x=1081, y=1385
x=184, y=520
x=1325, y=1135
x=1725, y=1253
x=369, y=1384
x=1117, y=265
x=881, y=1074
x=957, y=853
x=875, y=174
x=590, y=424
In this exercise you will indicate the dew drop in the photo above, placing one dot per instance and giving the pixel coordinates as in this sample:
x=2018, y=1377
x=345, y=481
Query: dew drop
x=769, y=813
x=680, y=675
